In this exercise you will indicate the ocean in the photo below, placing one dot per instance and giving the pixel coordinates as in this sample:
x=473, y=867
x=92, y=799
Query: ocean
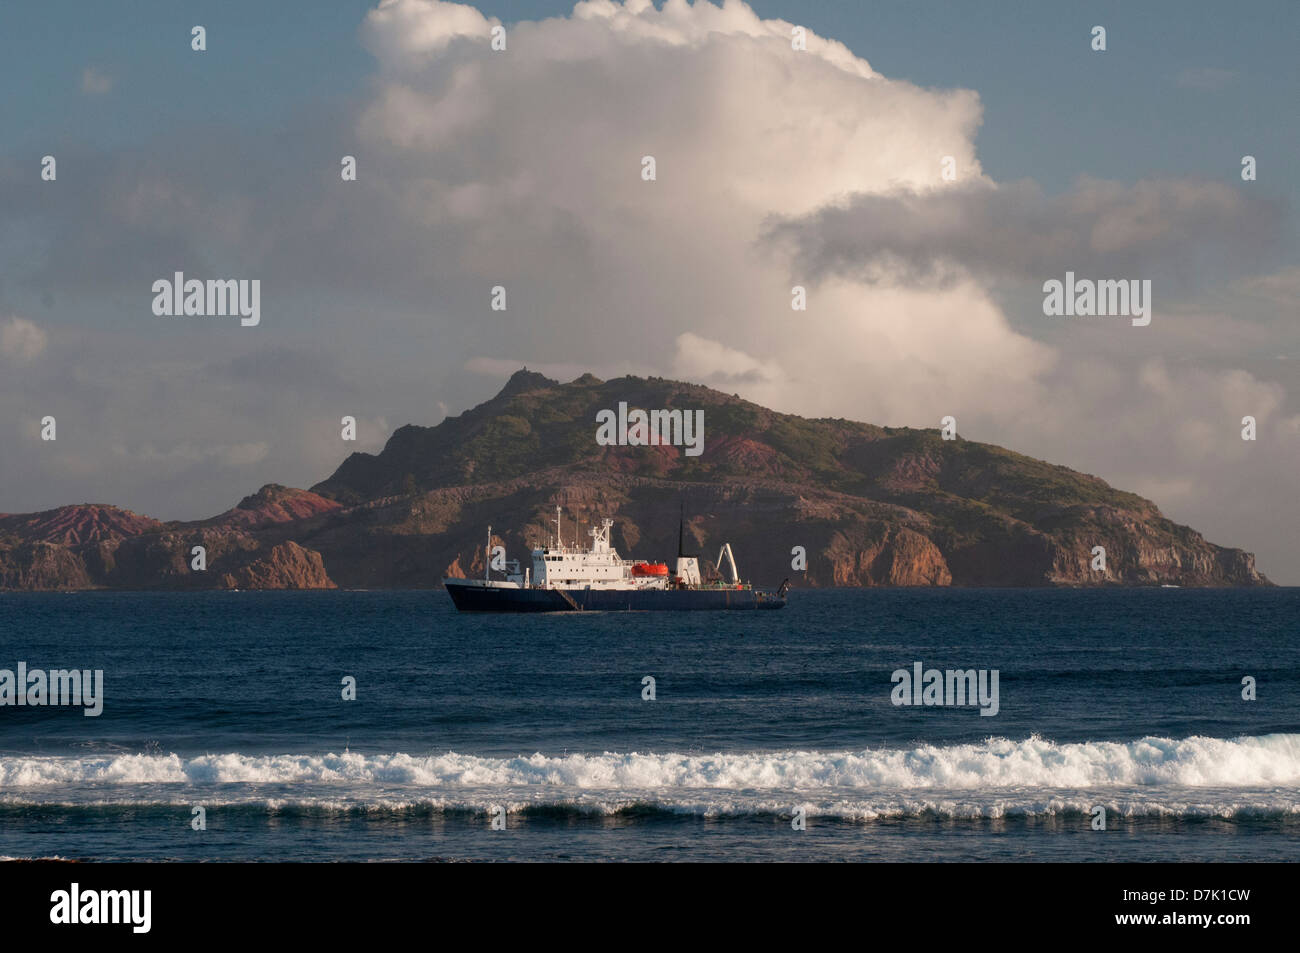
x=770, y=736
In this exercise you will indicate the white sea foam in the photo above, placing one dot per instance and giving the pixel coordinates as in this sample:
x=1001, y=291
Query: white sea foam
x=1150, y=777
x=1267, y=760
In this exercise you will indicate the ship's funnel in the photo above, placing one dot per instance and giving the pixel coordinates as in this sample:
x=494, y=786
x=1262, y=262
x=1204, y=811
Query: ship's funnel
x=681, y=535
x=688, y=567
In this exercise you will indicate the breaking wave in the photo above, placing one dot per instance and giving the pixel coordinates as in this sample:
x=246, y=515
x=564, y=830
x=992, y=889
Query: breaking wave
x=1246, y=776
x=997, y=762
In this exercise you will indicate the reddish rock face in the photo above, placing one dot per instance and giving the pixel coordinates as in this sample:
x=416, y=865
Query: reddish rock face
x=84, y=523
x=287, y=566
x=870, y=506
x=42, y=566
x=744, y=453
x=275, y=504
x=898, y=556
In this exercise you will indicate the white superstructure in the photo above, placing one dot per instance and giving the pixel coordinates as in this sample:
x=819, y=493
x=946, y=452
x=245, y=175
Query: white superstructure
x=560, y=566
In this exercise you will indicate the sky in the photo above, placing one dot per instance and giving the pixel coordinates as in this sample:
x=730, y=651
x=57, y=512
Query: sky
x=820, y=167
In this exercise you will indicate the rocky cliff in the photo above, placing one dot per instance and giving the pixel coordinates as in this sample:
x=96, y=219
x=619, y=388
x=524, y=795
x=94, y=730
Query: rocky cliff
x=865, y=505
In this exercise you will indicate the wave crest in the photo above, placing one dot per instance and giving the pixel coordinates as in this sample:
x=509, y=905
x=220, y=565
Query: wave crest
x=1266, y=760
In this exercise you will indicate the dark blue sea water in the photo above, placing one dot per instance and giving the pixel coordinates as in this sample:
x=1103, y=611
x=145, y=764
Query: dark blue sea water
x=1129, y=700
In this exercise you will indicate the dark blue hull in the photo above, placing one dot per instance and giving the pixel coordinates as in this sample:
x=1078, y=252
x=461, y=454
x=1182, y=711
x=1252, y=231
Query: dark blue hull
x=478, y=599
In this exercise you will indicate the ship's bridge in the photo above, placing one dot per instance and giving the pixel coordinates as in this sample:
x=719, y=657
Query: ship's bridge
x=599, y=567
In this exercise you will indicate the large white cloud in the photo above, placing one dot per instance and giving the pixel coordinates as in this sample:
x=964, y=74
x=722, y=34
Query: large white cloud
x=530, y=169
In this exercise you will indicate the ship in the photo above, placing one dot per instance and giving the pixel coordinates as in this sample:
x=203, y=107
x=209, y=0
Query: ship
x=569, y=578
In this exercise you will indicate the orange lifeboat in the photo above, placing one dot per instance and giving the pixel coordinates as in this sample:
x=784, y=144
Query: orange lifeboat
x=649, y=569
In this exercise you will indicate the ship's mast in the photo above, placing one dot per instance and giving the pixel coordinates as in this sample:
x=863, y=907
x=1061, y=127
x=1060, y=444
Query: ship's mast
x=487, y=560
